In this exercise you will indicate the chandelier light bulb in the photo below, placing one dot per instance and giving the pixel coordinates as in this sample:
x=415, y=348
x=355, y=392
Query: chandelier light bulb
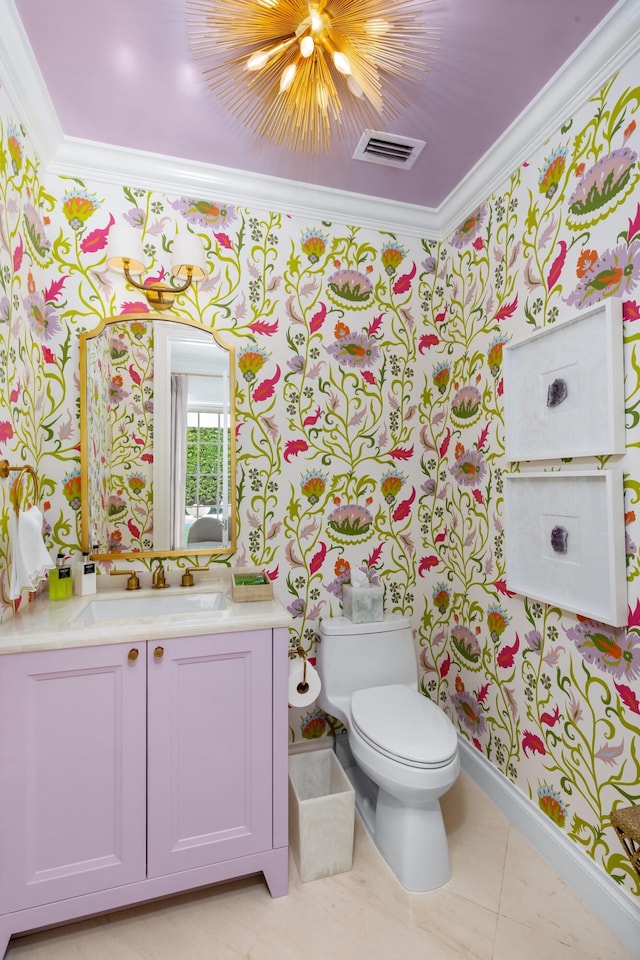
x=307, y=45
x=317, y=20
x=341, y=63
x=287, y=77
x=257, y=60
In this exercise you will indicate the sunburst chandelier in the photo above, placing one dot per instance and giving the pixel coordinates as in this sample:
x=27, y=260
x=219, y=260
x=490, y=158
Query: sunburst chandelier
x=300, y=73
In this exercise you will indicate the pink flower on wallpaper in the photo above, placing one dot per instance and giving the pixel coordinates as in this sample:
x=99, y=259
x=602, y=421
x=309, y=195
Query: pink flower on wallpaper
x=427, y=341
x=134, y=306
x=97, y=239
x=533, y=743
x=224, y=241
x=294, y=447
x=628, y=697
x=6, y=431
x=630, y=310
x=18, y=254
x=403, y=283
x=266, y=389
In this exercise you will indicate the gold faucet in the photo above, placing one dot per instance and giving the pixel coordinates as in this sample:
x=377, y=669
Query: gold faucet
x=133, y=583
x=158, y=578
x=187, y=576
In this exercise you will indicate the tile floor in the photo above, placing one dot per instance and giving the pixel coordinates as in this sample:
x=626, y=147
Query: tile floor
x=503, y=903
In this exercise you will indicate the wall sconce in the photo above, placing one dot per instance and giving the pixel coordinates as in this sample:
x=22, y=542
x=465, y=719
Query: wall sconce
x=125, y=255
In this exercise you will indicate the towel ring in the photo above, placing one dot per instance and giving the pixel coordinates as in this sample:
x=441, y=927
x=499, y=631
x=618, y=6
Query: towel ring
x=5, y=470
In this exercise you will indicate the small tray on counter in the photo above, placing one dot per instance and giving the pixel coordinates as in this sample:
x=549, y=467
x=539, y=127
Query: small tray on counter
x=250, y=583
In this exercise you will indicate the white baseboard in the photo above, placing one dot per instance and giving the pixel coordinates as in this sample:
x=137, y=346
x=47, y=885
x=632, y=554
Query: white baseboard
x=600, y=894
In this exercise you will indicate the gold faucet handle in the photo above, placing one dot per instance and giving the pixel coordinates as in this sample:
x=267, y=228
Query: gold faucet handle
x=187, y=576
x=133, y=583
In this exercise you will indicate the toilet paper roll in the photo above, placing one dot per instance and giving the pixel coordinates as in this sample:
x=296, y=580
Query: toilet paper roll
x=299, y=694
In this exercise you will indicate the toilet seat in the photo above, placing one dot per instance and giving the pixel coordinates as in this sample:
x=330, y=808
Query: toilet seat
x=404, y=725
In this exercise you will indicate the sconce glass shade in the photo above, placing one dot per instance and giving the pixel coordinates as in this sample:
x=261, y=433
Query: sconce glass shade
x=125, y=255
x=125, y=243
x=188, y=252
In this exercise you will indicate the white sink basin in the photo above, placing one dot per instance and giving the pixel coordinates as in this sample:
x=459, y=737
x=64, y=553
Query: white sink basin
x=125, y=608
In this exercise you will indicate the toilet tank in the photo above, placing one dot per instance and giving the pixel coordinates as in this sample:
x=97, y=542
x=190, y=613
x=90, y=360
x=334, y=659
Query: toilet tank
x=352, y=656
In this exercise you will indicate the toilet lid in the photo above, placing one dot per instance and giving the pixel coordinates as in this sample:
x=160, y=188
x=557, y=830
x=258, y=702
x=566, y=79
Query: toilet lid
x=404, y=725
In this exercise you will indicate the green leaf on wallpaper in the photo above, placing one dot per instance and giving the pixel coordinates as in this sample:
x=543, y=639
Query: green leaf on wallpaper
x=62, y=531
x=293, y=264
x=239, y=244
x=61, y=247
x=44, y=199
x=128, y=192
x=530, y=317
x=634, y=487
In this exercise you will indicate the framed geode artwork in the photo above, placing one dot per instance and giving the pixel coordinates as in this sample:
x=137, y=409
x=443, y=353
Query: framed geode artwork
x=564, y=388
x=564, y=539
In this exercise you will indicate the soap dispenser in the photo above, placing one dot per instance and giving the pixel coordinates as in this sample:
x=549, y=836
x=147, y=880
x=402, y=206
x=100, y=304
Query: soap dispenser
x=84, y=576
x=60, y=579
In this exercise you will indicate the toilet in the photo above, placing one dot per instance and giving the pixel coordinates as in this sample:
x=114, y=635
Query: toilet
x=402, y=753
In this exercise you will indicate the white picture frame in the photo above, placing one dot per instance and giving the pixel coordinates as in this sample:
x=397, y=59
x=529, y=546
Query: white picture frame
x=583, y=570
x=586, y=355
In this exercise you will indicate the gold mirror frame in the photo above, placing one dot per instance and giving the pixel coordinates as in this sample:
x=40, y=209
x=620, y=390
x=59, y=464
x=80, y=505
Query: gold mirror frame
x=84, y=472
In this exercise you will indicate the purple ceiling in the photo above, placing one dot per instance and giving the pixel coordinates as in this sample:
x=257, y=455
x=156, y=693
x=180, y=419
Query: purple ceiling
x=121, y=72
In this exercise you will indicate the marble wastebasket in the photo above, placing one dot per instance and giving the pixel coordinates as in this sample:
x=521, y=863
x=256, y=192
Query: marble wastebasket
x=321, y=814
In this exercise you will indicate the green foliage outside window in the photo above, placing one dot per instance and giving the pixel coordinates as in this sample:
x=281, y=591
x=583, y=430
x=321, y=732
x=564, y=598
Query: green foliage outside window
x=204, y=465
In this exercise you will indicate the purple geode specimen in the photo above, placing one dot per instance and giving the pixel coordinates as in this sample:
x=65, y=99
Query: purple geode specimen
x=556, y=392
x=559, y=539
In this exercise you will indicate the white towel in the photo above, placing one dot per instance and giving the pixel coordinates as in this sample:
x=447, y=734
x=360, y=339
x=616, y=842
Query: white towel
x=29, y=557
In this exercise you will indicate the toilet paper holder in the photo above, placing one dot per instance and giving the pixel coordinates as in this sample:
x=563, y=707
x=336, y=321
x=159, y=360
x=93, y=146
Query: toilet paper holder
x=303, y=686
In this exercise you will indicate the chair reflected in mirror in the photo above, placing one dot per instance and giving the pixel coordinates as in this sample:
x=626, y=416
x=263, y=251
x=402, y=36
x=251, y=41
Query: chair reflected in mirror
x=205, y=532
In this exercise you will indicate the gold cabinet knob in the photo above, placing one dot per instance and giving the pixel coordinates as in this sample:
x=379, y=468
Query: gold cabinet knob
x=132, y=655
x=158, y=653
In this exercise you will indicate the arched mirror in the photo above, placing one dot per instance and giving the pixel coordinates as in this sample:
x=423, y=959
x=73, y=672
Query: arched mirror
x=157, y=439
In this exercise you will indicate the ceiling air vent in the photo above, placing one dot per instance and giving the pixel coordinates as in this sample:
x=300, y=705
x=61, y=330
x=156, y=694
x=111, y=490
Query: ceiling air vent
x=390, y=150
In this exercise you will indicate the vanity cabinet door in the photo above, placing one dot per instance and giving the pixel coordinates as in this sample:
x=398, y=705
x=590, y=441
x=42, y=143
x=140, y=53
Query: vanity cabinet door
x=72, y=773
x=210, y=750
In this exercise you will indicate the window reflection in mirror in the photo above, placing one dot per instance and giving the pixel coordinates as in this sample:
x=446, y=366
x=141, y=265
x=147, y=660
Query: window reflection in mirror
x=157, y=431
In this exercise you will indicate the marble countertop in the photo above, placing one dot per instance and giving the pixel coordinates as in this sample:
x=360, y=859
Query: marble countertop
x=49, y=625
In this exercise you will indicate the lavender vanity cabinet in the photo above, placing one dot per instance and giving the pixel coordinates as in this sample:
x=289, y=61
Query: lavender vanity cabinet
x=132, y=771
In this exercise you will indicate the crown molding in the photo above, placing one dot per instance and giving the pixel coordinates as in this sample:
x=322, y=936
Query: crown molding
x=24, y=84
x=606, y=50
x=171, y=175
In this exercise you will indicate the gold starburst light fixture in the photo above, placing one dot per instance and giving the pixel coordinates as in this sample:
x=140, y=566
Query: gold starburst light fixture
x=300, y=73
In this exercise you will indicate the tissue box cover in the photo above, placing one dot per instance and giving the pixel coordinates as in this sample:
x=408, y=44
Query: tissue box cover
x=362, y=604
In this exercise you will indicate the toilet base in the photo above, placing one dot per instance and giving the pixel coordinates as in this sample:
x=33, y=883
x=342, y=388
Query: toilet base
x=412, y=840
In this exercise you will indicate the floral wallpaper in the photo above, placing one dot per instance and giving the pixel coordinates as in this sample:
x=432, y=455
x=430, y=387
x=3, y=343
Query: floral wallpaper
x=370, y=423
